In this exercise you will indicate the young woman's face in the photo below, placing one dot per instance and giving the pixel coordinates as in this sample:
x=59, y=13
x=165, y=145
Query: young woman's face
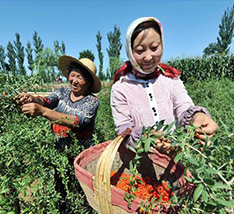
x=78, y=82
x=147, y=49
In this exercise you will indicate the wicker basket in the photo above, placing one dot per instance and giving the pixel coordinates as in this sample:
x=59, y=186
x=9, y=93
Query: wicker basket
x=93, y=167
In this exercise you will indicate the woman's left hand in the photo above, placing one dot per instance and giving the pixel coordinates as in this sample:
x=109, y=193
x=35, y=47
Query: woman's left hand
x=32, y=109
x=206, y=125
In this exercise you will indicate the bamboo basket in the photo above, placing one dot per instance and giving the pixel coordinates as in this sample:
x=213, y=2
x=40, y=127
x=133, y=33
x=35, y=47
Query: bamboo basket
x=93, y=167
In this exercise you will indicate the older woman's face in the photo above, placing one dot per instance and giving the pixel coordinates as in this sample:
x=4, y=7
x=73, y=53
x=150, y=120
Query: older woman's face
x=79, y=83
x=147, y=49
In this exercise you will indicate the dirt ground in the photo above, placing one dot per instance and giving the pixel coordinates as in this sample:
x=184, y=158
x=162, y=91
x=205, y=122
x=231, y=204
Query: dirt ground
x=46, y=89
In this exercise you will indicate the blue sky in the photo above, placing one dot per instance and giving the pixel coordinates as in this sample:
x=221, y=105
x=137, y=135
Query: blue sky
x=189, y=25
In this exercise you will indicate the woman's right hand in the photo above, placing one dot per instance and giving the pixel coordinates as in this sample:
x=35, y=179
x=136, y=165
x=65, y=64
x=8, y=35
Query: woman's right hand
x=33, y=109
x=23, y=98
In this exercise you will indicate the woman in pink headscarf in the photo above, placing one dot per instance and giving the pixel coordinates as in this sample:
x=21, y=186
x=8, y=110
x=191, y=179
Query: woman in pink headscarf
x=146, y=91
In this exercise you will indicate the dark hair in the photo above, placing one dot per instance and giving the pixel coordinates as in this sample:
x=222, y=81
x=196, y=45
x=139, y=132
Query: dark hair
x=77, y=67
x=143, y=26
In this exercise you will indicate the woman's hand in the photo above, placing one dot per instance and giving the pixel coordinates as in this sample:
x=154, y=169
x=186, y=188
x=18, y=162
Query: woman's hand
x=33, y=109
x=163, y=145
x=24, y=98
x=206, y=125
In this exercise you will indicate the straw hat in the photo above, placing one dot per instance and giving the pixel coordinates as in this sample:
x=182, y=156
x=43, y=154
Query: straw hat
x=65, y=61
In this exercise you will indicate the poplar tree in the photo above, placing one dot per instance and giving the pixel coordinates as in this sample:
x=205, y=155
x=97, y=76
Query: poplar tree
x=226, y=31
x=3, y=68
x=63, y=48
x=57, y=53
x=11, y=58
x=114, y=49
x=19, y=53
x=29, y=52
x=86, y=54
x=38, y=47
x=100, y=55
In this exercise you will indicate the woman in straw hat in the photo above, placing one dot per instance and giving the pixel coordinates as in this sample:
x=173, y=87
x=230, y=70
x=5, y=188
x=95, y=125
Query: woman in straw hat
x=76, y=106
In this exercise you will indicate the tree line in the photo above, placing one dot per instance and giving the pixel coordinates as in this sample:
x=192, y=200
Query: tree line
x=42, y=61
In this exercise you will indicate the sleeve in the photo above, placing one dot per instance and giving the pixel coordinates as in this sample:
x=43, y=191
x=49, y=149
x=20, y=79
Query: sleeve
x=51, y=101
x=88, y=112
x=184, y=108
x=187, y=116
x=122, y=117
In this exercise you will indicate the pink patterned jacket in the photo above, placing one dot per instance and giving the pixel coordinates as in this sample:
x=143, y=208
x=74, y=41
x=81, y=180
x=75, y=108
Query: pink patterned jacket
x=136, y=103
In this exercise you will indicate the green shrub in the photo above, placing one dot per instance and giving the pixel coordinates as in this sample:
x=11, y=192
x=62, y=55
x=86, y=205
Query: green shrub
x=27, y=146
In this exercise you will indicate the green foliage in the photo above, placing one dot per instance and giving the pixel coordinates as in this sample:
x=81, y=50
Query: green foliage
x=100, y=55
x=19, y=53
x=87, y=54
x=63, y=48
x=11, y=59
x=201, y=69
x=114, y=49
x=28, y=160
x=218, y=100
x=104, y=124
x=45, y=66
x=212, y=172
x=226, y=30
x=42, y=62
x=29, y=52
x=46, y=60
x=211, y=168
x=28, y=156
x=115, y=63
x=2, y=60
x=38, y=46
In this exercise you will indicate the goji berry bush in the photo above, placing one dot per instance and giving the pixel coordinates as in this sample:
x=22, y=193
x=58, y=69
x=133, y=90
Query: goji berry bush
x=28, y=157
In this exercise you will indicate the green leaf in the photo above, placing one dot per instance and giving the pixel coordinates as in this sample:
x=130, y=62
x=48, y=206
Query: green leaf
x=204, y=196
x=192, y=160
x=130, y=165
x=168, y=128
x=132, y=149
x=4, y=191
x=25, y=210
x=149, y=129
x=222, y=211
x=225, y=203
x=137, y=157
x=198, y=192
x=218, y=185
x=188, y=178
x=165, y=128
x=140, y=150
x=159, y=125
x=212, y=171
x=209, y=181
x=178, y=157
x=9, y=162
x=147, y=145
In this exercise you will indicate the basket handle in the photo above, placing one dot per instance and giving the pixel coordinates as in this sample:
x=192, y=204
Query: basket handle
x=102, y=185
